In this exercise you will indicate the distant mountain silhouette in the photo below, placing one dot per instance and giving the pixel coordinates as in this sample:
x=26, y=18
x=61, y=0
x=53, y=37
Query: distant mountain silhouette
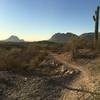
x=14, y=39
x=62, y=37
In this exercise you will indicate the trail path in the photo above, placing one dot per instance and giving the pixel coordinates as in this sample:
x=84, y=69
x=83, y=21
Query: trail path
x=83, y=81
x=85, y=74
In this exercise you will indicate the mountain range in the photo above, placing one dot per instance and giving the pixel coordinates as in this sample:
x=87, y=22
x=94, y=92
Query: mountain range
x=57, y=37
x=65, y=37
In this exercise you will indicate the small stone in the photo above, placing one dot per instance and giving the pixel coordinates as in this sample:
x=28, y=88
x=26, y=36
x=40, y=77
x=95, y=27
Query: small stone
x=25, y=79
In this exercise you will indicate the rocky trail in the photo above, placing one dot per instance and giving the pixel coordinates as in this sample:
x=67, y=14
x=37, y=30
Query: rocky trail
x=80, y=87
x=55, y=79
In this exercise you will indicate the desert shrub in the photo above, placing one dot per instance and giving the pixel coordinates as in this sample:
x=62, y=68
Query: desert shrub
x=85, y=44
x=79, y=43
x=19, y=59
x=81, y=48
x=95, y=67
x=84, y=53
x=35, y=61
x=69, y=45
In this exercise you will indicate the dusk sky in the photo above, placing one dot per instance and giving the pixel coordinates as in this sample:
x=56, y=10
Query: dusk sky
x=40, y=19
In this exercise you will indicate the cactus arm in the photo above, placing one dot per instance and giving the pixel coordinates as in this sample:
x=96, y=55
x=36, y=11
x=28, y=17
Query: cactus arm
x=94, y=18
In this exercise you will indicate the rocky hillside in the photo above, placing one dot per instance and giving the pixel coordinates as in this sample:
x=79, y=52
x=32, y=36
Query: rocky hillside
x=14, y=39
x=62, y=37
x=87, y=36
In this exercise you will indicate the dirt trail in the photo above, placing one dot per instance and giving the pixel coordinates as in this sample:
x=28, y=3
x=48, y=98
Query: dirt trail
x=85, y=74
x=85, y=79
x=35, y=86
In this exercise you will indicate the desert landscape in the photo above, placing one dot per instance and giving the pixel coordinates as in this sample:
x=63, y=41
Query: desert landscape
x=48, y=70
x=64, y=67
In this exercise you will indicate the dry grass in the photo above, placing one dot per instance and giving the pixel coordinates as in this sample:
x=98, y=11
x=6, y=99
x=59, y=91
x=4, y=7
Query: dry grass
x=21, y=58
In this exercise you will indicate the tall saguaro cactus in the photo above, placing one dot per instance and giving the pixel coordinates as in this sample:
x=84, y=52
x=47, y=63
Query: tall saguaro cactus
x=96, y=20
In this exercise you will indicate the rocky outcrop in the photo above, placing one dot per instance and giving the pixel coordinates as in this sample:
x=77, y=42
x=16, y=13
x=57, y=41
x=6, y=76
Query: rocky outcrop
x=62, y=37
x=65, y=37
x=87, y=36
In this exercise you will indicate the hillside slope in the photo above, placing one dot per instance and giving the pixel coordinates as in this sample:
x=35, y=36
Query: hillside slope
x=62, y=37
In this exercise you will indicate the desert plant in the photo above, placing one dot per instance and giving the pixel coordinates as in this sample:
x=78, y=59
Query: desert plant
x=15, y=59
x=96, y=20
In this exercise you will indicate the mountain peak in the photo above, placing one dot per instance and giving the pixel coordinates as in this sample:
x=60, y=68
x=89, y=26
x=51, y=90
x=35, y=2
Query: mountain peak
x=14, y=38
x=62, y=37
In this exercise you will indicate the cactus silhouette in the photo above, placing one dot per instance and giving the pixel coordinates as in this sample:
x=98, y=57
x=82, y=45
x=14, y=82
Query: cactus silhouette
x=96, y=20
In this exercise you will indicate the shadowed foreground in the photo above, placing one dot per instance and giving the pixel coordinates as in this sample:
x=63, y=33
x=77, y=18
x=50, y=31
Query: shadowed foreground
x=15, y=86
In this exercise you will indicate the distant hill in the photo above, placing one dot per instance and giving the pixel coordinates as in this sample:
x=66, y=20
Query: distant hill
x=57, y=38
x=65, y=37
x=87, y=36
x=62, y=37
x=14, y=39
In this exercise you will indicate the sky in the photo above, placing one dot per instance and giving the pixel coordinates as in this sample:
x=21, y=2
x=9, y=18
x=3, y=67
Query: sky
x=35, y=20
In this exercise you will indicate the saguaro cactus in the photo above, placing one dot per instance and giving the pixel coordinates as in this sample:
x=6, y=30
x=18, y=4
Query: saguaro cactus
x=96, y=20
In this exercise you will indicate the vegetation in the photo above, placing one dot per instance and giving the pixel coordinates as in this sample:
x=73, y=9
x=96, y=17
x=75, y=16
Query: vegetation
x=19, y=58
x=25, y=56
x=96, y=20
